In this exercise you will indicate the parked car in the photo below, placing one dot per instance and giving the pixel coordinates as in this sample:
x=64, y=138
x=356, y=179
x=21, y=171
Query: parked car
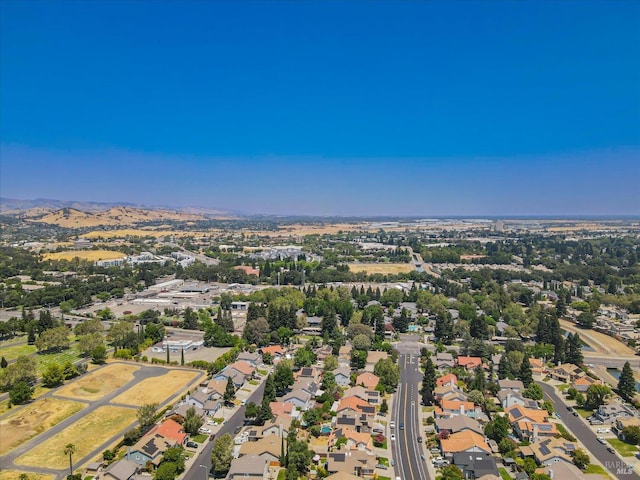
x=392, y=424
x=237, y=430
x=393, y=437
x=611, y=450
x=204, y=430
x=602, y=440
x=192, y=445
x=603, y=430
x=419, y=439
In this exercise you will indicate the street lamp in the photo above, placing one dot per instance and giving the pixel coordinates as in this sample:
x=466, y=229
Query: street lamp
x=206, y=471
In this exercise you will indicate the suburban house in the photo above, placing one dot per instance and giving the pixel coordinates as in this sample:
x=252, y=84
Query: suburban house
x=149, y=448
x=203, y=399
x=459, y=423
x=248, y=467
x=550, y=451
x=516, y=385
x=620, y=423
x=355, y=404
x=360, y=463
x=275, y=351
x=449, y=393
x=367, y=380
x=476, y=465
x=509, y=398
x=251, y=358
x=530, y=424
x=355, y=440
x=451, y=408
x=370, y=396
x=301, y=398
x=566, y=373
x=268, y=447
x=121, y=470
x=171, y=430
x=448, y=380
x=444, y=360
x=373, y=357
x=344, y=355
x=245, y=368
x=613, y=411
x=343, y=376
x=469, y=363
x=284, y=410
x=537, y=366
x=464, y=441
x=237, y=378
x=582, y=384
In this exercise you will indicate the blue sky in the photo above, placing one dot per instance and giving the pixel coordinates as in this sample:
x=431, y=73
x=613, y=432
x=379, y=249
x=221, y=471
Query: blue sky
x=329, y=108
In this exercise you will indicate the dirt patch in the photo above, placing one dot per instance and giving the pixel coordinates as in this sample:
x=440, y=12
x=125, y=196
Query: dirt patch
x=96, y=385
x=34, y=419
x=15, y=475
x=156, y=389
x=382, y=268
x=93, y=255
x=86, y=434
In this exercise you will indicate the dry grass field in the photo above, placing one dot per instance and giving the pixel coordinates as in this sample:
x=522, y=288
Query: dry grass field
x=15, y=475
x=34, y=419
x=383, y=268
x=156, y=389
x=600, y=342
x=92, y=255
x=86, y=434
x=93, y=386
x=137, y=232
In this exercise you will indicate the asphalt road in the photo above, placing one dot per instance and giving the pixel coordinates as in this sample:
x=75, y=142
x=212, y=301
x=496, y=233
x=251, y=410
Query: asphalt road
x=614, y=463
x=406, y=450
x=196, y=472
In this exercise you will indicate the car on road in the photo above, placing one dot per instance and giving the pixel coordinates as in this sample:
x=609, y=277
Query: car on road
x=392, y=424
x=237, y=430
x=419, y=439
x=575, y=414
x=602, y=440
x=611, y=450
x=401, y=426
x=192, y=445
x=393, y=437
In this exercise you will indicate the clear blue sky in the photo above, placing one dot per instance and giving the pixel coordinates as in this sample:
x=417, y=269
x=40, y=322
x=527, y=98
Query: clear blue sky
x=363, y=108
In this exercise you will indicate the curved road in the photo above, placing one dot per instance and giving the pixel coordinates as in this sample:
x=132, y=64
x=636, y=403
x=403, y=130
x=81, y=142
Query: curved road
x=578, y=427
x=407, y=452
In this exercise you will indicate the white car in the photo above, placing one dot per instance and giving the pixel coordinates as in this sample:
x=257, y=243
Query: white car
x=393, y=437
x=204, y=430
x=602, y=440
x=603, y=430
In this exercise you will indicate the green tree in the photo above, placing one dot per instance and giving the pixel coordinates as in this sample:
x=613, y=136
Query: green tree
x=4, y=363
x=452, y=472
x=529, y=466
x=358, y=359
x=596, y=395
x=304, y=357
x=626, y=383
x=192, y=421
x=586, y=319
x=222, y=454
x=70, y=449
x=166, y=471
x=229, y=392
x=330, y=363
x=264, y=413
x=119, y=333
x=361, y=342
x=54, y=339
x=22, y=370
x=21, y=392
x=86, y=343
x=282, y=377
x=580, y=458
x=175, y=455
x=147, y=414
x=533, y=391
x=384, y=407
x=573, y=349
x=53, y=375
x=444, y=329
x=498, y=428
x=257, y=331
x=99, y=354
x=389, y=374
x=631, y=434
x=526, y=374
x=299, y=457
x=190, y=321
x=428, y=382
x=251, y=410
x=270, y=388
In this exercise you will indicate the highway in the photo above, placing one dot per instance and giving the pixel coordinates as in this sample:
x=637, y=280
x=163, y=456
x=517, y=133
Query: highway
x=579, y=428
x=406, y=450
x=194, y=471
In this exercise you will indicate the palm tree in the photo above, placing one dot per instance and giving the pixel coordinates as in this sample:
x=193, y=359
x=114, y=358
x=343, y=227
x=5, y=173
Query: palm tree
x=70, y=449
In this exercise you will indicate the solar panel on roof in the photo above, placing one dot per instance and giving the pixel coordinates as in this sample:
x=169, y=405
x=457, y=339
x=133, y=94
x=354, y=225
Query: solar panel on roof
x=545, y=450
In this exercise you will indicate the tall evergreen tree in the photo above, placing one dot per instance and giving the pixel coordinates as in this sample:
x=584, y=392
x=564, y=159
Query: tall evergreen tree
x=479, y=381
x=478, y=328
x=229, y=391
x=444, y=329
x=573, y=349
x=627, y=383
x=526, y=374
x=428, y=382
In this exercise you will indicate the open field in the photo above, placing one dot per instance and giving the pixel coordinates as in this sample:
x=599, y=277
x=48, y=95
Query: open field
x=382, y=268
x=11, y=352
x=138, y=232
x=86, y=434
x=15, y=475
x=34, y=419
x=598, y=341
x=93, y=386
x=38, y=392
x=92, y=255
x=156, y=389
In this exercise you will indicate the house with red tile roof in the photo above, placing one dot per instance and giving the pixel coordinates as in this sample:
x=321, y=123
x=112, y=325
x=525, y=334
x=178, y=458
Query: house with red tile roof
x=470, y=363
x=273, y=350
x=447, y=380
x=171, y=430
x=368, y=380
x=464, y=441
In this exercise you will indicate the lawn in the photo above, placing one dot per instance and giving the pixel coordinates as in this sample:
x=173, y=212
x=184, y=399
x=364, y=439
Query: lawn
x=95, y=385
x=14, y=351
x=624, y=449
x=200, y=438
x=157, y=389
x=591, y=468
x=34, y=419
x=384, y=461
x=584, y=413
x=86, y=434
x=563, y=386
x=43, y=360
x=262, y=372
x=504, y=474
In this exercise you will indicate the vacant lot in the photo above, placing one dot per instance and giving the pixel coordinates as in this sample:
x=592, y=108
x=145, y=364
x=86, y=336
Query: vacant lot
x=15, y=475
x=92, y=255
x=156, y=389
x=96, y=385
x=33, y=420
x=86, y=434
x=382, y=268
x=135, y=232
